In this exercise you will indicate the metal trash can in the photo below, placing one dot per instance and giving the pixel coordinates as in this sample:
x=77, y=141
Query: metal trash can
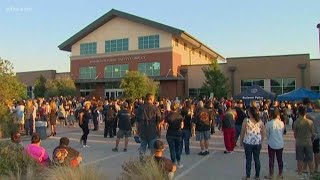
x=41, y=129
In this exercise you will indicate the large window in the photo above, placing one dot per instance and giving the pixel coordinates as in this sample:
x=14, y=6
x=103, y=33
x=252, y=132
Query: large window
x=88, y=48
x=197, y=92
x=149, y=42
x=150, y=69
x=117, y=45
x=113, y=85
x=315, y=89
x=282, y=85
x=116, y=71
x=245, y=84
x=88, y=72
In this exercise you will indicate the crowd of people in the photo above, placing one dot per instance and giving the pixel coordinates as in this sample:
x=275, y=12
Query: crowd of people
x=146, y=118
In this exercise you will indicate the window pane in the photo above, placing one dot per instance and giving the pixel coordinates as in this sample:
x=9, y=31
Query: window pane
x=276, y=82
x=277, y=90
x=288, y=89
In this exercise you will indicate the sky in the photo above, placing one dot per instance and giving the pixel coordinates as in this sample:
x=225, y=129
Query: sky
x=31, y=30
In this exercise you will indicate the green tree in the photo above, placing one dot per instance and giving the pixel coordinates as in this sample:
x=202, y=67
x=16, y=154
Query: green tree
x=137, y=85
x=10, y=87
x=66, y=86
x=215, y=82
x=52, y=89
x=60, y=87
x=40, y=86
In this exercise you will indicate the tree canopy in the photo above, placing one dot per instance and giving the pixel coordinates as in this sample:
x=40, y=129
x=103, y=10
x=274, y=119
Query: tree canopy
x=215, y=82
x=40, y=86
x=10, y=87
x=60, y=87
x=137, y=85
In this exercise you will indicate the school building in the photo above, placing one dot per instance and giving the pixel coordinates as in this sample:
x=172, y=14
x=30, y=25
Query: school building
x=118, y=42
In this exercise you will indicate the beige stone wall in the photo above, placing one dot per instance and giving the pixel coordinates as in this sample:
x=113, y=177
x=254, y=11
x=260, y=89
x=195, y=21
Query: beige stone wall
x=28, y=78
x=118, y=28
x=269, y=67
x=196, y=76
x=266, y=67
x=315, y=72
x=188, y=56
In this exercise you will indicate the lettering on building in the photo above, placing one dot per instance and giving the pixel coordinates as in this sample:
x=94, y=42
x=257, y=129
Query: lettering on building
x=117, y=59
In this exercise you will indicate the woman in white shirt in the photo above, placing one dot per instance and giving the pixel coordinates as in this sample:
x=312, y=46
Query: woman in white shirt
x=275, y=130
x=252, y=135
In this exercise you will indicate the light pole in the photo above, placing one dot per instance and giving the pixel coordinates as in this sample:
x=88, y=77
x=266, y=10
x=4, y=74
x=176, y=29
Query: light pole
x=318, y=26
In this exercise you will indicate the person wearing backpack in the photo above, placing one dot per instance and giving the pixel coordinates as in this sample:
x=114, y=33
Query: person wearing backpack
x=201, y=128
x=148, y=123
x=110, y=117
x=63, y=155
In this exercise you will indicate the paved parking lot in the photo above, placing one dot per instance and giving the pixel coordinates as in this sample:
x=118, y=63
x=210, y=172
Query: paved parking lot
x=214, y=166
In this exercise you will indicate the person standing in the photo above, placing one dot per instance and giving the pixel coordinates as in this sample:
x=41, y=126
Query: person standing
x=241, y=115
x=275, y=130
x=95, y=114
x=85, y=117
x=124, y=117
x=148, y=123
x=109, y=119
x=228, y=127
x=174, y=133
x=53, y=117
x=201, y=128
x=186, y=130
x=315, y=117
x=20, y=115
x=251, y=137
x=28, y=117
x=304, y=132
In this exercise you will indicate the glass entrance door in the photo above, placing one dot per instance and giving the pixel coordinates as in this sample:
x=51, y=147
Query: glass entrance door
x=113, y=93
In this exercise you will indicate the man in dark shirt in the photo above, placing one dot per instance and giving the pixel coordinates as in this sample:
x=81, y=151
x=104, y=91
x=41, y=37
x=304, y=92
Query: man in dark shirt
x=124, y=125
x=148, y=123
x=65, y=155
x=201, y=128
x=165, y=164
x=241, y=115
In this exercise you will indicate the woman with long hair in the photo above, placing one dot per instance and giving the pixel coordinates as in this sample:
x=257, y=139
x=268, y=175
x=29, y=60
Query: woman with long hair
x=53, y=117
x=174, y=133
x=252, y=136
x=28, y=118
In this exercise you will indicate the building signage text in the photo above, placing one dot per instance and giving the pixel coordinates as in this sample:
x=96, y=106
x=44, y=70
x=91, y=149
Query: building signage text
x=117, y=59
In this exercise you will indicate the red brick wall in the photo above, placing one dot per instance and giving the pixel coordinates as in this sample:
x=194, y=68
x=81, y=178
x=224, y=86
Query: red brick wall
x=164, y=58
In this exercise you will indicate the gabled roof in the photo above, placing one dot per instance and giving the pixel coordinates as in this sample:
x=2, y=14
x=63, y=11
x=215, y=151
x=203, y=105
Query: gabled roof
x=66, y=45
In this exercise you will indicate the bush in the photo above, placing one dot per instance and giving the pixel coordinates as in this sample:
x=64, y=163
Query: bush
x=14, y=163
x=147, y=169
x=7, y=124
x=68, y=173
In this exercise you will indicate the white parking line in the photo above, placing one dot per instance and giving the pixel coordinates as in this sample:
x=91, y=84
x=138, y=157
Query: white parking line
x=108, y=157
x=193, y=166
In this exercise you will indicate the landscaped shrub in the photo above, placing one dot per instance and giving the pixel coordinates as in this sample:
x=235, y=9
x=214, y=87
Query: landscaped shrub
x=69, y=173
x=7, y=123
x=15, y=163
x=145, y=169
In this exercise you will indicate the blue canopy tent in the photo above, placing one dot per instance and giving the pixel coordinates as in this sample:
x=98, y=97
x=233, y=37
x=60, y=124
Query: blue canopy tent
x=255, y=92
x=299, y=94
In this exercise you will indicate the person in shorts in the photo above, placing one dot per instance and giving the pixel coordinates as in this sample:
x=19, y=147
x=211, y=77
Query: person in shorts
x=201, y=128
x=304, y=132
x=124, y=125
